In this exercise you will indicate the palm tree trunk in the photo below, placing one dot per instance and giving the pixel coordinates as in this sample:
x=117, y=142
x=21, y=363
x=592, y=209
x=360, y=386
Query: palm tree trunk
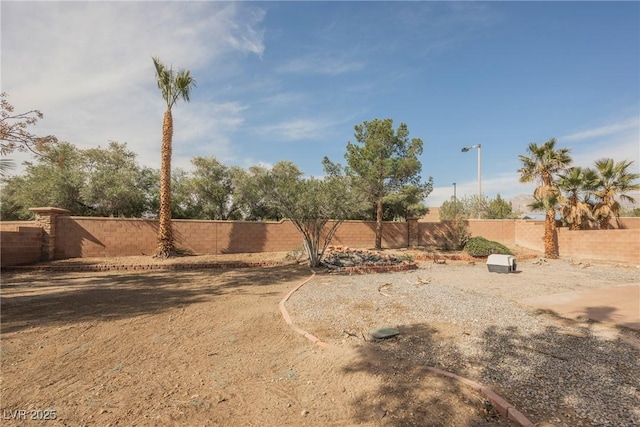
x=165, y=236
x=379, y=212
x=550, y=237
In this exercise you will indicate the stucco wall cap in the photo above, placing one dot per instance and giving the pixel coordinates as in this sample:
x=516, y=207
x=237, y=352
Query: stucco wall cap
x=49, y=209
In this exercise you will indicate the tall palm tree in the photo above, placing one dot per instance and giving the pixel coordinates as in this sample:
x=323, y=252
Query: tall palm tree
x=578, y=185
x=172, y=85
x=614, y=180
x=542, y=165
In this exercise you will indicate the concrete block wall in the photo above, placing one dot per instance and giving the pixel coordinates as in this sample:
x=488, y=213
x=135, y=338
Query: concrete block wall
x=111, y=237
x=621, y=245
x=362, y=234
x=630, y=223
x=20, y=243
x=499, y=230
x=104, y=237
x=530, y=234
x=433, y=233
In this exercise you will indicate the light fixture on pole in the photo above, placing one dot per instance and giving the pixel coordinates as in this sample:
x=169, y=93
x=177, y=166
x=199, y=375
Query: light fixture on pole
x=478, y=146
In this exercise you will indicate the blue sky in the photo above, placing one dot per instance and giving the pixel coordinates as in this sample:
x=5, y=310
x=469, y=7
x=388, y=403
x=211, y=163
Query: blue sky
x=289, y=80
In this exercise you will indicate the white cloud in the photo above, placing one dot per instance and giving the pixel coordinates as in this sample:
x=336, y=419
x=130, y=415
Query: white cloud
x=247, y=36
x=87, y=66
x=298, y=129
x=632, y=123
x=321, y=64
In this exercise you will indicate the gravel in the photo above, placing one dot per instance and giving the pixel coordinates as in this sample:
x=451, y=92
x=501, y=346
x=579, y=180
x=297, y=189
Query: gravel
x=461, y=318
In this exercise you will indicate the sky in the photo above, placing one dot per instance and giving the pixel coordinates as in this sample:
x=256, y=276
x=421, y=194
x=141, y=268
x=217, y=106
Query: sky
x=290, y=80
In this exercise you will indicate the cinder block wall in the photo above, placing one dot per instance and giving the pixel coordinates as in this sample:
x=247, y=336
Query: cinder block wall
x=530, y=234
x=622, y=245
x=499, y=230
x=630, y=223
x=110, y=237
x=20, y=243
x=433, y=233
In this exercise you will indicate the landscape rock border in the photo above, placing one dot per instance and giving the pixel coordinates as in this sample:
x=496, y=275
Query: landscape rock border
x=144, y=267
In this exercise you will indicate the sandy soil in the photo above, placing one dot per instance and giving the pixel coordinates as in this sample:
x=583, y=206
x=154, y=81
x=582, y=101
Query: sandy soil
x=198, y=347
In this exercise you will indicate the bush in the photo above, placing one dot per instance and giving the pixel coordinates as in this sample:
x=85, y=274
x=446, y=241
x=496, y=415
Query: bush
x=457, y=234
x=479, y=246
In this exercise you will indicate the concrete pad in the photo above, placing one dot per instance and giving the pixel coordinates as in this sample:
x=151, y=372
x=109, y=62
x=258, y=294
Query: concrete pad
x=619, y=305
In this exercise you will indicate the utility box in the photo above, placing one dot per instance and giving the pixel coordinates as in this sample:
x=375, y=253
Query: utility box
x=501, y=263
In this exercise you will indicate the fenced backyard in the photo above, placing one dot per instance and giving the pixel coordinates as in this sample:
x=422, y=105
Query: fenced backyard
x=56, y=235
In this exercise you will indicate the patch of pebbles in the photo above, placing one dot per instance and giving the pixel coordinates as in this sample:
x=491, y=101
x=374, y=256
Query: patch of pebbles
x=461, y=318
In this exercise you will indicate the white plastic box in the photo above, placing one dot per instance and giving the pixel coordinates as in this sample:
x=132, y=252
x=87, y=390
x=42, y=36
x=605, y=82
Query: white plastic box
x=498, y=263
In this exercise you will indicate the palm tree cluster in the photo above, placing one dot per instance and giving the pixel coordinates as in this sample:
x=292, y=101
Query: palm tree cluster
x=591, y=196
x=585, y=197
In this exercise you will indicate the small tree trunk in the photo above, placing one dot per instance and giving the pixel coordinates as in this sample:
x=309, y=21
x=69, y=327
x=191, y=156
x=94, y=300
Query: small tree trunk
x=165, y=236
x=379, y=211
x=550, y=237
x=312, y=252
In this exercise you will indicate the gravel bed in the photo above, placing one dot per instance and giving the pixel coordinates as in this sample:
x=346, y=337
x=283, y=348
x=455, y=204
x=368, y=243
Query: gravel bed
x=461, y=318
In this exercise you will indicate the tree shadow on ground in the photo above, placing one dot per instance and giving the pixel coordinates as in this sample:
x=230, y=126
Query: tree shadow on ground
x=409, y=393
x=566, y=375
x=40, y=301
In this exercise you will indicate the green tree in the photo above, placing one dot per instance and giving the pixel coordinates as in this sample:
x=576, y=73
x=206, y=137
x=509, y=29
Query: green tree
x=468, y=207
x=499, y=208
x=114, y=182
x=211, y=187
x=248, y=199
x=54, y=179
x=316, y=207
x=407, y=202
x=577, y=185
x=381, y=162
x=450, y=209
x=173, y=86
x=614, y=181
x=475, y=206
x=542, y=165
x=10, y=210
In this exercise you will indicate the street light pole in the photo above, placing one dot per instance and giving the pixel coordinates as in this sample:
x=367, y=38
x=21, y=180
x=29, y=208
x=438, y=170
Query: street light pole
x=455, y=201
x=479, y=147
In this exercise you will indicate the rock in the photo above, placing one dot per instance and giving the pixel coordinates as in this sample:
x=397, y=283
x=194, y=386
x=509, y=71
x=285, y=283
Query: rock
x=383, y=333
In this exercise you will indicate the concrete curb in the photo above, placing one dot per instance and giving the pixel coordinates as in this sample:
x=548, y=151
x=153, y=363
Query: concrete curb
x=501, y=405
x=505, y=408
x=287, y=318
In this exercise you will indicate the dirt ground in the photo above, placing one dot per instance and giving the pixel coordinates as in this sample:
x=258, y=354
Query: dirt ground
x=198, y=348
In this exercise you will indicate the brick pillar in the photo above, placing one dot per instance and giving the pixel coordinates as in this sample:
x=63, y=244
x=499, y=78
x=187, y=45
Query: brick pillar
x=413, y=232
x=46, y=218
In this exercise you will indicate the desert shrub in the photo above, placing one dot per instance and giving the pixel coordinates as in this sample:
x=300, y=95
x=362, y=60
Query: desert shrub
x=297, y=254
x=457, y=234
x=479, y=246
